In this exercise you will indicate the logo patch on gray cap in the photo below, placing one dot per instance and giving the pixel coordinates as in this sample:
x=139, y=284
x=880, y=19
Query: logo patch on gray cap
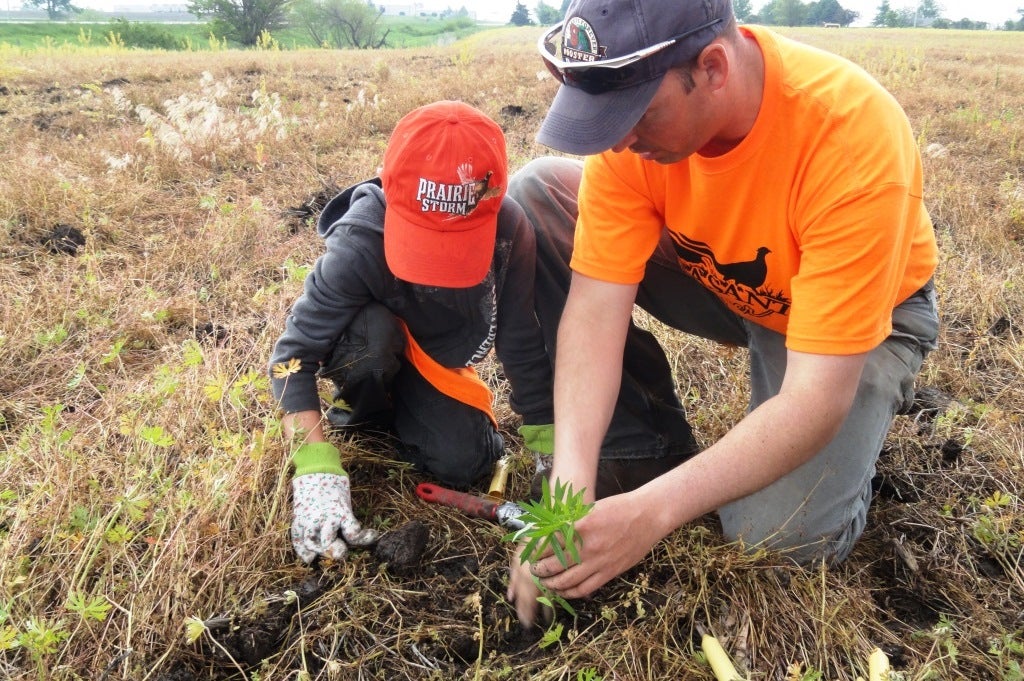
x=579, y=42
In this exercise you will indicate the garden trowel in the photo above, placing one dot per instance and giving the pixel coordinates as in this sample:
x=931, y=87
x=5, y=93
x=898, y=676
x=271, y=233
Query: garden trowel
x=505, y=514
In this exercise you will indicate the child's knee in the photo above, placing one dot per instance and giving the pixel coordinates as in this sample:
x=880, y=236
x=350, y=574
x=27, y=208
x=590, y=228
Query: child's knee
x=462, y=467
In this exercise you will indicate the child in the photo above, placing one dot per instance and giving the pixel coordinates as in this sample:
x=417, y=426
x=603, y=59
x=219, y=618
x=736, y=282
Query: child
x=426, y=269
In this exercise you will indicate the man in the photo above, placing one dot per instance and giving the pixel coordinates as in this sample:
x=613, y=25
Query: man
x=426, y=268
x=747, y=189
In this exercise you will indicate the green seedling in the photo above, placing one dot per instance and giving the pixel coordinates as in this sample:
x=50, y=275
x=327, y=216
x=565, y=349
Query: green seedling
x=551, y=526
x=88, y=607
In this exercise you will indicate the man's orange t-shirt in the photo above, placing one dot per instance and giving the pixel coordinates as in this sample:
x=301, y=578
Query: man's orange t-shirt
x=813, y=226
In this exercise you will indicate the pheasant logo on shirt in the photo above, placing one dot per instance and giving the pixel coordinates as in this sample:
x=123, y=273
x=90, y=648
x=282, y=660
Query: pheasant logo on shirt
x=456, y=199
x=741, y=284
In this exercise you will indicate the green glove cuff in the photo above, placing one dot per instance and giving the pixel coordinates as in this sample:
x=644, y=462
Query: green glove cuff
x=540, y=439
x=317, y=457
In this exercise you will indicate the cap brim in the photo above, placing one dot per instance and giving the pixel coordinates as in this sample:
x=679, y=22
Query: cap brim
x=452, y=259
x=585, y=124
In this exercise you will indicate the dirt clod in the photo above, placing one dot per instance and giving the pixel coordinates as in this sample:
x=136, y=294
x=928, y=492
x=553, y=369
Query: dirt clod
x=403, y=548
x=63, y=239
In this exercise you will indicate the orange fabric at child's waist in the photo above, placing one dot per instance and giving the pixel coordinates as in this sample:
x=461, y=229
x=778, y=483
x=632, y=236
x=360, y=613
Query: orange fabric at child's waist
x=461, y=383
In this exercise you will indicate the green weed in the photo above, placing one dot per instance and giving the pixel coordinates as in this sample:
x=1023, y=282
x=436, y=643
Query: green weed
x=551, y=526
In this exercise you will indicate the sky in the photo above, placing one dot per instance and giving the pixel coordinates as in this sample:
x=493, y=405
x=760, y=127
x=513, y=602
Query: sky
x=992, y=11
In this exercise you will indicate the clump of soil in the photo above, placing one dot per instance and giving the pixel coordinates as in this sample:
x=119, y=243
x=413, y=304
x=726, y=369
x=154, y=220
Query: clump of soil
x=401, y=550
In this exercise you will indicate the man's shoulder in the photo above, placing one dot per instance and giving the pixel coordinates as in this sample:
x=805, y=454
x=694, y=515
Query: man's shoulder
x=807, y=67
x=824, y=88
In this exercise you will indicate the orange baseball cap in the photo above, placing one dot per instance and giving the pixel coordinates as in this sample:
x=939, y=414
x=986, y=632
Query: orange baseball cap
x=444, y=176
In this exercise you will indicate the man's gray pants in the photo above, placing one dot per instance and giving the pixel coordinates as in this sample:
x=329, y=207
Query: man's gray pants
x=815, y=512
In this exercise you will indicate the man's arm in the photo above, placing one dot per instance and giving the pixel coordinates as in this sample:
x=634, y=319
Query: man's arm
x=588, y=372
x=774, y=439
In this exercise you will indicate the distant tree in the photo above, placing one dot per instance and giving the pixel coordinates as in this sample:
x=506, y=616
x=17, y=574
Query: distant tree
x=309, y=15
x=447, y=13
x=797, y=13
x=929, y=9
x=1016, y=25
x=969, y=24
x=816, y=11
x=790, y=12
x=55, y=9
x=242, y=20
x=885, y=16
x=828, y=12
x=356, y=23
x=546, y=14
x=766, y=16
x=521, y=16
x=905, y=17
x=341, y=23
x=849, y=16
x=742, y=9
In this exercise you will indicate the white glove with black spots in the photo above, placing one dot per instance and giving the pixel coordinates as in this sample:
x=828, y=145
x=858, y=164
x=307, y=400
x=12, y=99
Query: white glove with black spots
x=323, y=508
x=323, y=522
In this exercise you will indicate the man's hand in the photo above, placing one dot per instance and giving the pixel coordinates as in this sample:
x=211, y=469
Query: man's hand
x=522, y=592
x=322, y=509
x=615, y=536
x=322, y=505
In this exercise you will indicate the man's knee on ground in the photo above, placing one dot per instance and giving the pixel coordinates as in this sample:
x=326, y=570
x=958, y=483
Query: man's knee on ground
x=886, y=377
x=801, y=547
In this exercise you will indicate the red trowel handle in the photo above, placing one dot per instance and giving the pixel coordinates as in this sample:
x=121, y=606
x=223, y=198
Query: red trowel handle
x=472, y=505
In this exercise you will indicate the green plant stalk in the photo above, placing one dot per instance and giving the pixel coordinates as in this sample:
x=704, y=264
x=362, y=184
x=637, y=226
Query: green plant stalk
x=550, y=525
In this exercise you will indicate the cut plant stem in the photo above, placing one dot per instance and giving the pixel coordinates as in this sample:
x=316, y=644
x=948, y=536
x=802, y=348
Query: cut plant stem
x=878, y=665
x=720, y=663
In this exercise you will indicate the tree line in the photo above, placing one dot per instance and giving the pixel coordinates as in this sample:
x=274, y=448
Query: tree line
x=358, y=23
x=927, y=13
x=329, y=23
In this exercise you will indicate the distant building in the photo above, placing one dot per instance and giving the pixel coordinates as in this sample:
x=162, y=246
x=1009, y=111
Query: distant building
x=413, y=9
x=165, y=8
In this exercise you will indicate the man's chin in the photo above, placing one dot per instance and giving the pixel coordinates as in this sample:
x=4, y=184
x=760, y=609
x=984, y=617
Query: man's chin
x=660, y=156
x=663, y=158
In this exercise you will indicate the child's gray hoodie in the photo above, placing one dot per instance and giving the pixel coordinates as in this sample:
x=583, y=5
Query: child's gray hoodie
x=456, y=327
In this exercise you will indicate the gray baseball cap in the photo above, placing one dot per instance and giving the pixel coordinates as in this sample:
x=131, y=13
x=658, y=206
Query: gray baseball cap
x=610, y=56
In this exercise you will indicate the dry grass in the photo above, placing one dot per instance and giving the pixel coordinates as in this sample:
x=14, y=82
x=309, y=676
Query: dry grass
x=143, y=480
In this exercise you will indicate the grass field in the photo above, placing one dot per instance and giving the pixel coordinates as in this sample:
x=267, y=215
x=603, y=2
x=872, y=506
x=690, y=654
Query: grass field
x=132, y=31
x=157, y=211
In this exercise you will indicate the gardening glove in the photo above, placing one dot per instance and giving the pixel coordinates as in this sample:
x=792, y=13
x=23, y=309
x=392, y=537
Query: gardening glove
x=322, y=505
x=541, y=441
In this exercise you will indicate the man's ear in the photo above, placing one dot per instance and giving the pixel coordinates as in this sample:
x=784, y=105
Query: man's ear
x=713, y=65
